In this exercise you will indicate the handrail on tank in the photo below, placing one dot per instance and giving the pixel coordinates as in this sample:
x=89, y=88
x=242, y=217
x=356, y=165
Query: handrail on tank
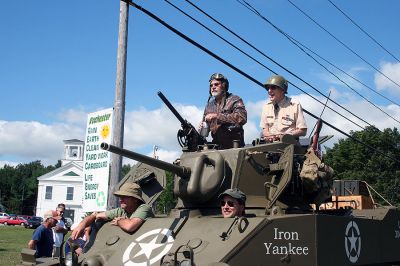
x=181, y=171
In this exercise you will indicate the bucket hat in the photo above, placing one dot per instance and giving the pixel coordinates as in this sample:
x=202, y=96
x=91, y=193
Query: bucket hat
x=130, y=190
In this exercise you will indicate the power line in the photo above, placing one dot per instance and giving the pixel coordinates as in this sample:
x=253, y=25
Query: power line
x=241, y=71
x=342, y=43
x=344, y=72
x=274, y=61
x=366, y=33
x=297, y=43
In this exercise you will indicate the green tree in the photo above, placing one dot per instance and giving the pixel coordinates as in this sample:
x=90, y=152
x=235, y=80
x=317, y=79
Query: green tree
x=125, y=169
x=167, y=201
x=18, y=186
x=354, y=161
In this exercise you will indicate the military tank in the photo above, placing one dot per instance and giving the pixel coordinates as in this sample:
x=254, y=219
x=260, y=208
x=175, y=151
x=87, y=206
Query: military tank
x=292, y=216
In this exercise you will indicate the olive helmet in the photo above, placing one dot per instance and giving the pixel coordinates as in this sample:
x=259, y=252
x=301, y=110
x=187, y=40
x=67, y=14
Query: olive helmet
x=220, y=77
x=277, y=80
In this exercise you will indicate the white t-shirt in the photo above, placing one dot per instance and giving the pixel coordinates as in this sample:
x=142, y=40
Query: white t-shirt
x=58, y=237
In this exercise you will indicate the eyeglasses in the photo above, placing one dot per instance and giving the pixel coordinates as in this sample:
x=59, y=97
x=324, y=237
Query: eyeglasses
x=230, y=203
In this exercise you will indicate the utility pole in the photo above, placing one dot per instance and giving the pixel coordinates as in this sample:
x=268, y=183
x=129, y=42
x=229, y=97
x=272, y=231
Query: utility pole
x=119, y=104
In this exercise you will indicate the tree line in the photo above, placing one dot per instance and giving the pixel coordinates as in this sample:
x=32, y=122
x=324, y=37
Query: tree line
x=379, y=167
x=349, y=159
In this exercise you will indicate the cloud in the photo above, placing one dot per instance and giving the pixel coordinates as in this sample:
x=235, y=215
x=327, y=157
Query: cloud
x=157, y=127
x=384, y=84
x=360, y=108
x=3, y=163
x=350, y=78
x=76, y=116
x=161, y=154
x=30, y=140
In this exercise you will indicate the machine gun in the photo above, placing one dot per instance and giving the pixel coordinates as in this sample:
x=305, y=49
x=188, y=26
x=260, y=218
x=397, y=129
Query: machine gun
x=188, y=137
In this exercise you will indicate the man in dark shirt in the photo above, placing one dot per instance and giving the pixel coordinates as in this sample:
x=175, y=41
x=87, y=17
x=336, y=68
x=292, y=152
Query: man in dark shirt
x=42, y=238
x=225, y=114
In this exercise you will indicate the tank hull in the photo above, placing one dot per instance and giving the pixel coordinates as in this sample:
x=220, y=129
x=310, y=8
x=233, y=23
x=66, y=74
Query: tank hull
x=294, y=239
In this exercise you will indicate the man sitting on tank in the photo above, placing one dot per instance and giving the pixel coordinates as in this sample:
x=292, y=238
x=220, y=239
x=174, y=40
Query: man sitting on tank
x=233, y=203
x=281, y=115
x=224, y=115
x=129, y=217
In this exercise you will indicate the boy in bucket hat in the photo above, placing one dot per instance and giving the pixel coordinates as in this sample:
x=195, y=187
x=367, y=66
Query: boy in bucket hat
x=233, y=203
x=130, y=216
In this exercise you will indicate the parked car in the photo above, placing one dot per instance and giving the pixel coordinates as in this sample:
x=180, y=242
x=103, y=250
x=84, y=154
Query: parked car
x=14, y=220
x=3, y=219
x=34, y=222
x=4, y=215
x=27, y=217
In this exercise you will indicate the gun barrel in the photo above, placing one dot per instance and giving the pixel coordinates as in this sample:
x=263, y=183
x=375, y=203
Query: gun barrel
x=176, y=169
x=170, y=107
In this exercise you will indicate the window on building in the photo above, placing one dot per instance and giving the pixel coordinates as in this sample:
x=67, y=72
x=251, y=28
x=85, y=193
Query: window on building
x=49, y=192
x=70, y=193
x=73, y=151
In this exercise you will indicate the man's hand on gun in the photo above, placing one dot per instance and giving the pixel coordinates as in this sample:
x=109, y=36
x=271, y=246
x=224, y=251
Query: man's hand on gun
x=272, y=138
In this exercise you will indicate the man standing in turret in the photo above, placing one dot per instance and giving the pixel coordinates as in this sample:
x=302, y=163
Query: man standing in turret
x=281, y=115
x=225, y=114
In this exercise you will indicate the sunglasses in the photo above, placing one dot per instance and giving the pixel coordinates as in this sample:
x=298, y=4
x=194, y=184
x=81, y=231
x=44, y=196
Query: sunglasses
x=230, y=203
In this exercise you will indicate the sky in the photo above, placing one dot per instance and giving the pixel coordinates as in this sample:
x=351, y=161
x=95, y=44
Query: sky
x=58, y=63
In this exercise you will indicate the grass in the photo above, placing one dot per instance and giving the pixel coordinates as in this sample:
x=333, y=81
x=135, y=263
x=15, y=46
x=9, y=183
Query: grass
x=12, y=240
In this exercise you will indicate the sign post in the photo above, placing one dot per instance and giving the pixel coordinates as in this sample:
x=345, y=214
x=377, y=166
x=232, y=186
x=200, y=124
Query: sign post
x=96, y=163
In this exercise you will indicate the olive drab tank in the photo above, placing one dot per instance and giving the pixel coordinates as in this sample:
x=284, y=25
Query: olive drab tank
x=290, y=217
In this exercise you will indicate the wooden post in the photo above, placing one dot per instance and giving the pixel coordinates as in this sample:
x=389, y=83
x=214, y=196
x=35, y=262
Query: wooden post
x=119, y=104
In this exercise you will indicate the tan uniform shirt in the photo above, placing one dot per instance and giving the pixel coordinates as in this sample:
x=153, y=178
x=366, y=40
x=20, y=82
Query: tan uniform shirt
x=285, y=120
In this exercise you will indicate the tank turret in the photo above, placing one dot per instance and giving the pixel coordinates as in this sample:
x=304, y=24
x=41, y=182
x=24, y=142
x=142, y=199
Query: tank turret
x=267, y=173
x=282, y=223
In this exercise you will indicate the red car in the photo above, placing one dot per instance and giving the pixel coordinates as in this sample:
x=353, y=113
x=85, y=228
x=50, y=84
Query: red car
x=14, y=220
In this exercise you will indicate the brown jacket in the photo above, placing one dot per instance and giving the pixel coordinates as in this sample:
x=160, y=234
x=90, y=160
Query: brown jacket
x=231, y=116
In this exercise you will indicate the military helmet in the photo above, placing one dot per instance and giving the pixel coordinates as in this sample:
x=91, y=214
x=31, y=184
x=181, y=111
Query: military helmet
x=220, y=77
x=277, y=80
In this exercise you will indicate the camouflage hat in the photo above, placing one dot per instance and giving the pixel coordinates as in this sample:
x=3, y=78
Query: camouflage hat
x=234, y=193
x=130, y=190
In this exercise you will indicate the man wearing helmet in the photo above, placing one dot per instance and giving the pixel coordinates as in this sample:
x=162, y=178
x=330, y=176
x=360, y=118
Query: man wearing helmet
x=281, y=114
x=225, y=113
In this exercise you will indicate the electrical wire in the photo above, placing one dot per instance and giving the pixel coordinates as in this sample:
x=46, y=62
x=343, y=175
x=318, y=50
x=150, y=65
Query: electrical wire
x=180, y=34
x=342, y=43
x=237, y=48
x=297, y=43
x=366, y=33
x=345, y=73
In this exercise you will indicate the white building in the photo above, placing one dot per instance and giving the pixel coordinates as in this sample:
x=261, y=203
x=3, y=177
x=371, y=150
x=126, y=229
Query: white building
x=64, y=184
